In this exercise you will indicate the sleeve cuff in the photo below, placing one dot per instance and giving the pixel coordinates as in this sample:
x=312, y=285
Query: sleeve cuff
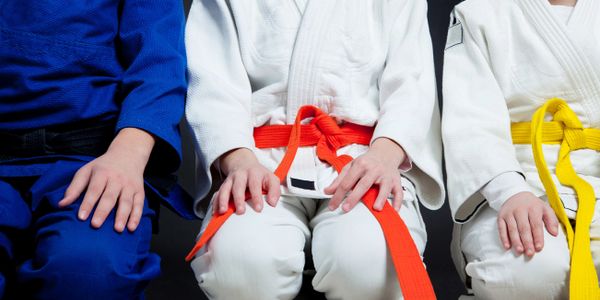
x=502, y=187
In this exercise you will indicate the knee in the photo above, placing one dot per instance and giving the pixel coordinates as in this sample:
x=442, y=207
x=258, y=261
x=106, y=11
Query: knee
x=544, y=276
x=238, y=257
x=551, y=274
x=114, y=266
x=355, y=264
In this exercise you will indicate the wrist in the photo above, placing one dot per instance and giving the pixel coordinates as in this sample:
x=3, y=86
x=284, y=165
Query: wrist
x=234, y=158
x=388, y=151
x=136, y=143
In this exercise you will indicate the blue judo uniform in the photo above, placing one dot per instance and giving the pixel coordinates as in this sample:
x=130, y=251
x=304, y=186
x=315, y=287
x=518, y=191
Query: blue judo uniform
x=103, y=65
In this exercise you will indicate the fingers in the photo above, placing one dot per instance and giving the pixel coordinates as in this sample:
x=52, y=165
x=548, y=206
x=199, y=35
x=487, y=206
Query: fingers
x=224, y=195
x=77, y=186
x=359, y=190
x=255, y=187
x=330, y=190
x=346, y=184
x=385, y=188
x=124, y=209
x=273, y=189
x=137, y=211
x=398, y=193
x=240, y=182
x=107, y=203
x=524, y=228
x=503, y=231
x=537, y=228
x=550, y=220
x=513, y=234
x=93, y=193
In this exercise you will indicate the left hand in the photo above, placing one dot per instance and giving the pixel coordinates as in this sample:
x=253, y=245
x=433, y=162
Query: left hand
x=378, y=166
x=115, y=179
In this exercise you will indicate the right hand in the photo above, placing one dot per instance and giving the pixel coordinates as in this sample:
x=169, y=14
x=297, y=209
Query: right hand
x=521, y=222
x=245, y=173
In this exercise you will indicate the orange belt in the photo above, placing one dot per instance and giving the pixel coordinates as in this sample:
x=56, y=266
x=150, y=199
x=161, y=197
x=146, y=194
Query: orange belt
x=324, y=133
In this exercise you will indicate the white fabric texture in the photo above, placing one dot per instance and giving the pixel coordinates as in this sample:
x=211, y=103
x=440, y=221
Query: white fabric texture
x=562, y=12
x=258, y=256
x=504, y=59
x=504, y=186
x=254, y=63
x=500, y=274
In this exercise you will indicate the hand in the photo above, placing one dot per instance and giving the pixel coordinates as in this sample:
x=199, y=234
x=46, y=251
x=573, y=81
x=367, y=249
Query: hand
x=378, y=166
x=521, y=222
x=115, y=177
x=244, y=172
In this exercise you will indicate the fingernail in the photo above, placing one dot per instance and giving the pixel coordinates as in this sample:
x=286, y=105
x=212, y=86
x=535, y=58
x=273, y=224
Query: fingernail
x=259, y=206
x=120, y=226
x=346, y=207
x=82, y=215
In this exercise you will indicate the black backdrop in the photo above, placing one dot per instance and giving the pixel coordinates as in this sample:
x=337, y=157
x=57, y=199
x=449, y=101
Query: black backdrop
x=176, y=235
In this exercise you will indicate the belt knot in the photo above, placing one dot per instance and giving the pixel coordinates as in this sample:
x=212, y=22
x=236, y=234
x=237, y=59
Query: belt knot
x=573, y=129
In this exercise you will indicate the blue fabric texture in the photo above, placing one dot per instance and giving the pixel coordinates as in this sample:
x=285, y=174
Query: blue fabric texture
x=72, y=260
x=71, y=62
x=122, y=61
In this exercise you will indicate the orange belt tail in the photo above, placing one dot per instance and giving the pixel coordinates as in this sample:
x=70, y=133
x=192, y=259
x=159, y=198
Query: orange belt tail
x=324, y=132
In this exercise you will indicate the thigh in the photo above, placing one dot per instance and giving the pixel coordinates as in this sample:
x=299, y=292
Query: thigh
x=260, y=250
x=71, y=255
x=350, y=251
x=287, y=221
x=496, y=267
x=15, y=217
x=360, y=226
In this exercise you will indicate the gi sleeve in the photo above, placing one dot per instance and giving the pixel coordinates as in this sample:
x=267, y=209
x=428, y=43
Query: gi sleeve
x=151, y=50
x=475, y=122
x=219, y=96
x=409, y=113
x=502, y=187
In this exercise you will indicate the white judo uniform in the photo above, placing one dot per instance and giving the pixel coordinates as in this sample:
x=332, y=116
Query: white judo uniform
x=503, y=60
x=255, y=63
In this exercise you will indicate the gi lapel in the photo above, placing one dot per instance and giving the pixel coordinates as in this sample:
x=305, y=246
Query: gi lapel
x=568, y=48
x=305, y=56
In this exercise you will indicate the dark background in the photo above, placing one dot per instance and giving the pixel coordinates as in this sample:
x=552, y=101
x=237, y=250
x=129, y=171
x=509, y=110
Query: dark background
x=177, y=235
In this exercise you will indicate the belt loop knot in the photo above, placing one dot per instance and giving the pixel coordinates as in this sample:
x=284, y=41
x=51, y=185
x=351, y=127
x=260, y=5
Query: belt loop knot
x=326, y=124
x=573, y=129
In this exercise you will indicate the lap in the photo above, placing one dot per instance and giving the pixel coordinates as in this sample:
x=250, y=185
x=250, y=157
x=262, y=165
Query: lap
x=359, y=226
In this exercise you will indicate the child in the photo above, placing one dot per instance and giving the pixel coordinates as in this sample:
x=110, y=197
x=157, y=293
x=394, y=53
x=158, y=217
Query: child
x=350, y=75
x=522, y=94
x=91, y=93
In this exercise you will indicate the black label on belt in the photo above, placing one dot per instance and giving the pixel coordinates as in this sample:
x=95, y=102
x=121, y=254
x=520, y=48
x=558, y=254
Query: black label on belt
x=303, y=184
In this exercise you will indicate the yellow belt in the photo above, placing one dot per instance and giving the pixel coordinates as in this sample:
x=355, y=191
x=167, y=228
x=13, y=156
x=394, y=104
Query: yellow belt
x=566, y=129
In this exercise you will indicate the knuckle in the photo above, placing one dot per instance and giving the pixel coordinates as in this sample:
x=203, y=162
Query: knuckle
x=361, y=162
x=126, y=200
x=346, y=185
x=102, y=211
x=94, y=189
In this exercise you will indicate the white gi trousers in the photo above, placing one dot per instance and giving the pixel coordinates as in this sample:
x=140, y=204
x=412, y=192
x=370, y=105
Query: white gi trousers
x=497, y=273
x=261, y=255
